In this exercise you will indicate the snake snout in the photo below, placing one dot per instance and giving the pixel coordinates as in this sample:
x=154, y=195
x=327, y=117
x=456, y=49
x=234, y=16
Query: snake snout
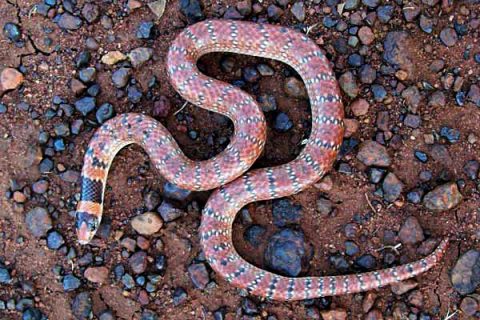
x=86, y=225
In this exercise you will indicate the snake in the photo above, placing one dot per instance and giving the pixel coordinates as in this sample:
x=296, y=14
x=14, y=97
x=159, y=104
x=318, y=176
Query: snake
x=228, y=172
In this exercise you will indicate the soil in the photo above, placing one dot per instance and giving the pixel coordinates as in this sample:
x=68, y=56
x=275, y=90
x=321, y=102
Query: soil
x=48, y=74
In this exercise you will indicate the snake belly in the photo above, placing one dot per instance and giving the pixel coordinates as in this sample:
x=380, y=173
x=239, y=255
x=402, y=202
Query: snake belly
x=225, y=170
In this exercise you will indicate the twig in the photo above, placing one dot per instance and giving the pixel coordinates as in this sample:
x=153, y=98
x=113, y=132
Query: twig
x=394, y=248
x=310, y=28
x=183, y=107
x=369, y=203
x=449, y=316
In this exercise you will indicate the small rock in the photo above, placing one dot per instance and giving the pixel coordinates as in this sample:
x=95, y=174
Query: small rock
x=199, y=275
x=474, y=94
x=5, y=277
x=285, y=212
x=444, y=197
x=392, y=187
x=161, y=107
x=403, y=286
x=369, y=301
x=411, y=11
x=69, y=22
x=283, y=122
x=274, y=12
x=38, y=221
x=85, y=105
x=360, y=107
x=298, y=11
x=104, y=113
x=411, y=231
x=267, y=102
x=54, y=240
x=437, y=99
x=396, y=50
x=87, y=75
x=82, y=306
x=336, y=314
x=471, y=169
x=384, y=13
x=169, y=213
x=324, y=206
x=244, y=7
x=121, y=76
x=70, y=176
x=139, y=56
x=192, y=10
x=367, y=74
x=286, y=251
x=249, y=307
x=157, y=7
x=452, y=135
x=366, y=35
x=113, y=57
x=295, y=88
x=147, y=223
x=173, y=192
x=448, y=36
x=349, y=85
x=12, y=31
x=426, y=24
x=372, y=153
x=265, y=70
x=469, y=306
x=179, y=296
x=90, y=12
x=71, y=283
x=412, y=98
x=412, y=121
x=351, y=248
x=232, y=14
x=250, y=74
x=10, y=79
x=96, y=274
x=366, y=262
x=77, y=87
x=40, y=186
x=465, y=275
x=145, y=30
x=138, y=262
x=254, y=235
x=374, y=315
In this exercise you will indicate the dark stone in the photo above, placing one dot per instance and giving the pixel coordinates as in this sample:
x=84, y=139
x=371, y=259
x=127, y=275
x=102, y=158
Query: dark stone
x=355, y=60
x=138, y=262
x=452, y=135
x=3, y=108
x=443, y=197
x=274, y=13
x=32, y=314
x=54, y=240
x=71, y=283
x=392, y=187
x=465, y=275
x=474, y=94
x=232, y=13
x=104, y=113
x=411, y=232
x=199, y=275
x=81, y=61
x=412, y=98
x=285, y=212
x=448, y=36
x=69, y=22
x=372, y=153
x=128, y=281
x=12, y=31
x=38, y=222
x=471, y=169
x=161, y=263
x=421, y=156
x=286, y=252
x=249, y=307
x=82, y=306
x=161, y=107
x=179, y=296
x=329, y=22
x=250, y=74
x=411, y=11
x=120, y=77
x=145, y=30
x=61, y=129
x=254, y=235
x=371, y=3
x=283, y=122
x=152, y=200
x=396, y=50
x=46, y=165
x=415, y=196
x=379, y=92
x=90, y=12
x=267, y=102
x=426, y=24
x=87, y=75
x=384, y=13
x=351, y=248
x=169, y=212
x=134, y=94
x=412, y=121
x=339, y=263
x=5, y=277
x=366, y=262
x=173, y=192
x=85, y=105
x=375, y=175
x=192, y=10
x=367, y=74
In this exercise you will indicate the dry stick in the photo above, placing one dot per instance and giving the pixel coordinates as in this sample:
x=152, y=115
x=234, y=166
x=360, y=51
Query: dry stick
x=369, y=203
x=183, y=107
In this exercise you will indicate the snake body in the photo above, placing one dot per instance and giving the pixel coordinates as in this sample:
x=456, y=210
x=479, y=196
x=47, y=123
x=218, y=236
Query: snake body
x=226, y=170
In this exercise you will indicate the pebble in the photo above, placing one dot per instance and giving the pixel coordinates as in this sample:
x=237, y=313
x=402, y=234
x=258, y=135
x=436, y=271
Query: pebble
x=134, y=94
x=437, y=99
x=267, y=102
x=285, y=251
x=351, y=248
x=244, y=7
x=339, y=263
x=77, y=87
x=412, y=98
x=85, y=105
x=128, y=281
x=120, y=77
x=452, y=135
x=448, y=36
x=232, y=13
x=369, y=301
x=157, y=7
x=355, y=60
x=5, y=277
x=31, y=313
x=19, y=197
x=335, y=314
x=138, y=262
x=169, y=212
x=173, y=192
x=443, y=197
x=96, y=274
x=379, y=92
x=249, y=307
x=384, y=13
x=161, y=263
x=360, y=107
x=295, y=88
x=87, y=75
x=104, y=113
x=192, y=10
x=90, y=12
x=265, y=70
x=61, y=129
x=71, y=283
x=349, y=84
x=46, y=165
x=324, y=206
x=147, y=223
x=70, y=176
x=367, y=74
x=366, y=35
x=392, y=187
x=411, y=232
x=274, y=12
x=372, y=153
x=145, y=30
x=10, y=79
x=374, y=315
x=38, y=222
x=283, y=122
x=139, y=56
x=179, y=296
x=69, y=22
x=285, y=212
x=254, y=235
x=199, y=275
x=3, y=108
x=40, y=186
x=469, y=306
x=298, y=11
x=465, y=275
x=250, y=74
x=113, y=57
x=474, y=94
x=412, y=121
x=106, y=315
x=161, y=107
x=54, y=240
x=82, y=306
x=426, y=24
x=12, y=31
x=366, y=262
x=411, y=12
x=471, y=169
x=396, y=51
x=371, y=3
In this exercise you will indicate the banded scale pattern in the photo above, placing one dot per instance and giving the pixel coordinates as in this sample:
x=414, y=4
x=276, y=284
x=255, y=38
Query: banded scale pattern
x=225, y=170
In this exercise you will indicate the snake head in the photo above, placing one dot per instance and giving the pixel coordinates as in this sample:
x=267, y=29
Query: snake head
x=86, y=225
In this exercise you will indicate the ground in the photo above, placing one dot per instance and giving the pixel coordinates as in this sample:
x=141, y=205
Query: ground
x=49, y=65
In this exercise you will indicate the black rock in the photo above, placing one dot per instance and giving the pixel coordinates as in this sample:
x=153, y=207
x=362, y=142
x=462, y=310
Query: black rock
x=465, y=275
x=285, y=212
x=71, y=283
x=250, y=74
x=421, y=156
x=192, y=10
x=173, y=192
x=85, y=105
x=249, y=307
x=134, y=94
x=179, y=296
x=38, y=222
x=69, y=22
x=32, y=314
x=254, y=235
x=145, y=30
x=283, y=122
x=4, y=275
x=452, y=135
x=104, y=113
x=82, y=59
x=82, y=306
x=54, y=240
x=286, y=251
x=351, y=248
x=120, y=77
x=339, y=262
x=12, y=31
x=161, y=263
x=366, y=262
